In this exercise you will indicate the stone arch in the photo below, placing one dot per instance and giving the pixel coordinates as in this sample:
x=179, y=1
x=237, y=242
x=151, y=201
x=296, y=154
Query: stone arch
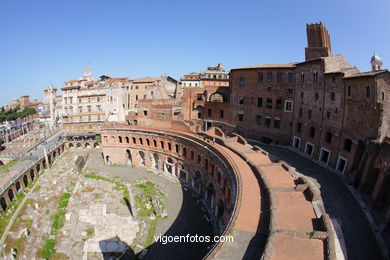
x=71, y=145
x=32, y=174
x=217, y=97
x=3, y=203
x=96, y=145
x=79, y=146
x=11, y=194
x=49, y=159
x=156, y=161
x=220, y=209
x=38, y=168
x=210, y=194
x=25, y=180
x=87, y=146
x=197, y=182
x=54, y=155
x=129, y=160
x=141, y=156
x=169, y=166
x=44, y=164
x=1, y=163
x=18, y=186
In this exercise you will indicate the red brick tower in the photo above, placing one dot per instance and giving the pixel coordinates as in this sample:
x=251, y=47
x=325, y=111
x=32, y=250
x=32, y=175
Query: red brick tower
x=318, y=42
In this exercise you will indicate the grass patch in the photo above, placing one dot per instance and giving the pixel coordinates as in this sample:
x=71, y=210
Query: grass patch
x=37, y=188
x=6, y=167
x=48, y=250
x=90, y=232
x=152, y=231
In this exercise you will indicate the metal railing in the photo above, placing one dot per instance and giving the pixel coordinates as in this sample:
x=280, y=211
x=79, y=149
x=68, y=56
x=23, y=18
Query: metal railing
x=20, y=172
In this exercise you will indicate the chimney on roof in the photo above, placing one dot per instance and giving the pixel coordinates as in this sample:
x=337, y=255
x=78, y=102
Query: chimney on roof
x=318, y=42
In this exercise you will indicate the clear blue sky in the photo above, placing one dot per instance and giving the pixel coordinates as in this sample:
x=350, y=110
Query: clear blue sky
x=44, y=42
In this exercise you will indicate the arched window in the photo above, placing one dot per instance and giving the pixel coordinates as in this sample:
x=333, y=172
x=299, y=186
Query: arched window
x=177, y=148
x=140, y=141
x=134, y=140
x=169, y=146
x=199, y=158
x=127, y=139
x=154, y=143
x=302, y=77
x=147, y=142
x=315, y=76
x=192, y=155
x=162, y=144
x=184, y=152
x=120, y=139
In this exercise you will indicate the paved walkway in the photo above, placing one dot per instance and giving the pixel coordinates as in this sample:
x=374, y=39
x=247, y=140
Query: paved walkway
x=339, y=203
x=184, y=213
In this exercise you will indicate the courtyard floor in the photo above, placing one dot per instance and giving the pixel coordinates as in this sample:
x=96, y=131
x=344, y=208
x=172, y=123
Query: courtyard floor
x=69, y=215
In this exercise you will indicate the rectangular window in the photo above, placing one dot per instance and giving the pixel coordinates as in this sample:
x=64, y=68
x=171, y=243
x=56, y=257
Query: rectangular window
x=279, y=77
x=328, y=137
x=209, y=112
x=333, y=79
x=301, y=94
x=327, y=115
x=241, y=117
x=258, y=120
x=347, y=145
x=269, y=76
x=309, y=148
x=260, y=77
x=349, y=91
x=296, y=142
x=241, y=100
x=300, y=112
x=299, y=127
x=332, y=96
x=312, y=132
x=259, y=102
x=267, y=122
x=145, y=112
x=290, y=77
x=221, y=113
x=242, y=82
x=309, y=114
x=316, y=96
x=324, y=155
x=269, y=103
x=278, y=104
x=277, y=123
x=288, y=106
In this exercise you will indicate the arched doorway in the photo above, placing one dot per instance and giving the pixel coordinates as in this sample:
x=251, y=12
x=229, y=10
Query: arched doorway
x=38, y=167
x=129, y=160
x=79, y=146
x=11, y=194
x=17, y=185
x=141, y=156
x=87, y=146
x=210, y=194
x=155, y=161
x=71, y=145
x=25, y=180
x=169, y=166
x=3, y=203
x=108, y=160
x=32, y=174
x=96, y=145
x=197, y=182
